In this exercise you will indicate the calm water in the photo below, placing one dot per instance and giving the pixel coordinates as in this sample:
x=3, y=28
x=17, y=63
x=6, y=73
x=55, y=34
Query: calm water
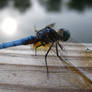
x=18, y=18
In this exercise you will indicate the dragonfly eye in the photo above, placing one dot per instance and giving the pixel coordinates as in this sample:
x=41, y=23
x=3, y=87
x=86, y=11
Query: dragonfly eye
x=64, y=34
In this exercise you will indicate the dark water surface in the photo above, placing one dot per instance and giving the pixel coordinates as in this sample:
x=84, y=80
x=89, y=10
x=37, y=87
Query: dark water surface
x=18, y=18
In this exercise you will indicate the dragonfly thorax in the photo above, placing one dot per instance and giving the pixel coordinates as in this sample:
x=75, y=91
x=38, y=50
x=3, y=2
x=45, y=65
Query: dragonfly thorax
x=47, y=35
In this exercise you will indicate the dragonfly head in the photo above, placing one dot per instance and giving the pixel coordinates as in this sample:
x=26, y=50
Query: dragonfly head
x=64, y=34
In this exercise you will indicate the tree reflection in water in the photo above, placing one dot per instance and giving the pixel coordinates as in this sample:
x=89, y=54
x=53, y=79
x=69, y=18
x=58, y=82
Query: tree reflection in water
x=51, y=5
x=21, y=5
x=80, y=5
x=3, y=3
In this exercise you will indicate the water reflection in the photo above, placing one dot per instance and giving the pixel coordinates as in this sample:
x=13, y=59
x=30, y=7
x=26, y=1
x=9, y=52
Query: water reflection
x=6, y=26
x=23, y=15
x=51, y=6
x=3, y=3
x=21, y=5
x=80, y=5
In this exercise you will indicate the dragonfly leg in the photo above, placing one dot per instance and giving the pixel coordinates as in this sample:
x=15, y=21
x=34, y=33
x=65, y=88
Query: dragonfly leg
x=57, y=52
x=46, y=57
x=60, y=46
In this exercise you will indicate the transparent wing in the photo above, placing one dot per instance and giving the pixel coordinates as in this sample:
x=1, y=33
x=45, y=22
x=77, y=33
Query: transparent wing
x=79, y=55
x=51, y=25
x=75, y=56
x=72, y=56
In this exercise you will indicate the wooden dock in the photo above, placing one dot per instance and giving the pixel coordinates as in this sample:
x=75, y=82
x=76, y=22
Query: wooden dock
x=22, y=71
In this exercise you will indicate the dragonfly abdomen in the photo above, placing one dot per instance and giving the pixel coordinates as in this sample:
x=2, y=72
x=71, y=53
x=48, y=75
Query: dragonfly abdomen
x=23, y=41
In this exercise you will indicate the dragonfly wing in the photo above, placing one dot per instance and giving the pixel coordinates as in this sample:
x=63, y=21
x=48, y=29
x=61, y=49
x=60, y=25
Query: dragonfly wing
x=51, y=25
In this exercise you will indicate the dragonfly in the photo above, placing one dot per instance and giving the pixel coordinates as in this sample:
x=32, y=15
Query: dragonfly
x=50, y=37
x=47, y=36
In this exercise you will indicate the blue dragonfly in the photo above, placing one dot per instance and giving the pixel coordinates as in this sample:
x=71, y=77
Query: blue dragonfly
x=47, y=35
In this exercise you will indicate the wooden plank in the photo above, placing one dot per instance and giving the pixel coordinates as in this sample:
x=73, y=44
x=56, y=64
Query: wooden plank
x=29, y=77
x=19, y=66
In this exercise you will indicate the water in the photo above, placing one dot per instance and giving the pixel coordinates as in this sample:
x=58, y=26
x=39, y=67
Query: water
x=18, y=18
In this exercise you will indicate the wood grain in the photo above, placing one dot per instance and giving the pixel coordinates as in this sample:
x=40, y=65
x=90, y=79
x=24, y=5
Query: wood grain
x=22, y=71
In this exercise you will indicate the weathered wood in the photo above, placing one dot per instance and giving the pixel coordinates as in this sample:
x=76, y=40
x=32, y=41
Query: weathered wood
x=21, y=70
